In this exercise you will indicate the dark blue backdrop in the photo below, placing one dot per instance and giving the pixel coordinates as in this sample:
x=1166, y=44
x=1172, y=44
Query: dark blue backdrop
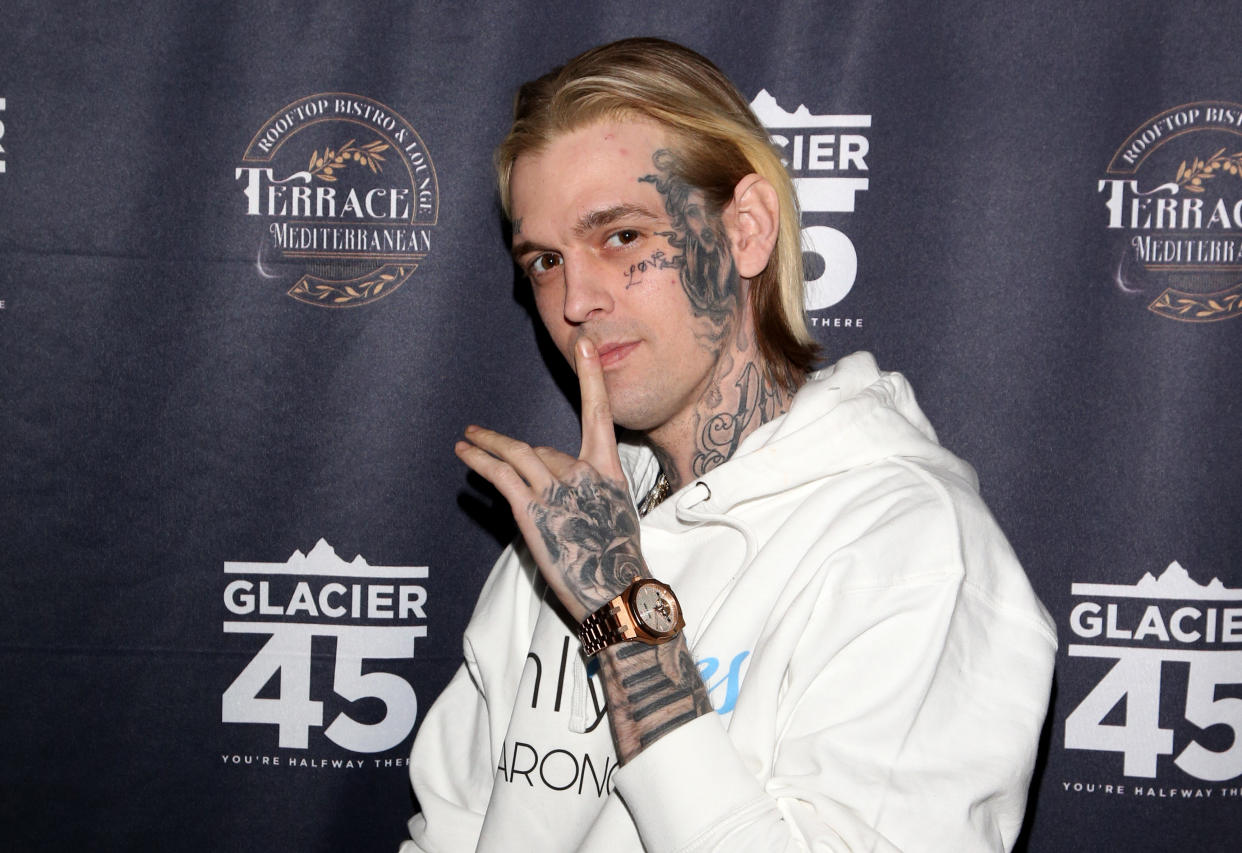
x=192, y=399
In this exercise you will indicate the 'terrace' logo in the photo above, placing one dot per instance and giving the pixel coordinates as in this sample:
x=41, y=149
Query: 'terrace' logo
x=316, y=608
x=826, y=154
x=347, y=196
x=1146, y=641
x=1173, y=198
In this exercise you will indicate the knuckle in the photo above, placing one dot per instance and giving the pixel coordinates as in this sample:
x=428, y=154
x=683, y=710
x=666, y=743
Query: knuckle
x=582, y=470
x=509, y=477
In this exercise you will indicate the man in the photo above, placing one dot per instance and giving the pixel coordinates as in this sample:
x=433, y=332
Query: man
x=863, y=665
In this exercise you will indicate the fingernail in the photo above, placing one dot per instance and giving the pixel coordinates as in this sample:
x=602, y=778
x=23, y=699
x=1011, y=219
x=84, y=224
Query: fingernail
x=584, y=347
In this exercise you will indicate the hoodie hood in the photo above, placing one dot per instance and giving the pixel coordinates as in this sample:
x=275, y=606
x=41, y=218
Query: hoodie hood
x=869, y=415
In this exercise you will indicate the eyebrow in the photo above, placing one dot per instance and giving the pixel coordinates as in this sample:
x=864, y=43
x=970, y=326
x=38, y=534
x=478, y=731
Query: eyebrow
x=591, y=220
x=603, y=217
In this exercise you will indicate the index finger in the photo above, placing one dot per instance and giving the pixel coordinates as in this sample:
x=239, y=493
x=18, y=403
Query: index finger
x=599, y=443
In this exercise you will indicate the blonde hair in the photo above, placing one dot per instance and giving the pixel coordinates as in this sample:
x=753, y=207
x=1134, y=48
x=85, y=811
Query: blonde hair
x=717, y=141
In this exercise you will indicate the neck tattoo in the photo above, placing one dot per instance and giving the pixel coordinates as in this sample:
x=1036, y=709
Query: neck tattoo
x=740, y=395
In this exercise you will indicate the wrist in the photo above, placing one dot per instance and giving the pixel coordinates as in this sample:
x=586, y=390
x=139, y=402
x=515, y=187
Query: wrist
x=650, y=691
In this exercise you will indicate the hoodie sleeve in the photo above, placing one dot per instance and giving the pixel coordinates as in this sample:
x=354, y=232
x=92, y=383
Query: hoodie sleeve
x=452, y=763
x=892, y=709
x=450, y=768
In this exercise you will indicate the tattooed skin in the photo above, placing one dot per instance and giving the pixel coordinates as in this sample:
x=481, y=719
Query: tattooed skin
x=657, y=261
x=590, y=530
x=758, y=398
x=591, y=533
x=658, y=689
x=707, y=273
x=711, y=282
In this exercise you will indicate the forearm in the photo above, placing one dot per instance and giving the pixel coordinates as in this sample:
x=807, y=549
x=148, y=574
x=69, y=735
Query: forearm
x=651, y=690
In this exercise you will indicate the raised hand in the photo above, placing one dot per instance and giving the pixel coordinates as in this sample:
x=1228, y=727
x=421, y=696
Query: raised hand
x=575, y=514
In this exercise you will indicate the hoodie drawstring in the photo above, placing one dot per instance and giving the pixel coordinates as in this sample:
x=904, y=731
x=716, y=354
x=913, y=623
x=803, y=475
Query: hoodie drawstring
x=688, y=512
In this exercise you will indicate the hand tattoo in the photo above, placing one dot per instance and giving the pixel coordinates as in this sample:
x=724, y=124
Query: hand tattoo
x=590, y=531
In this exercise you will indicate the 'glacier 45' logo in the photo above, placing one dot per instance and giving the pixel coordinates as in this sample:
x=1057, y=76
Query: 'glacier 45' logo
x=826, y=154
x=1167, y=631
x=314, y=621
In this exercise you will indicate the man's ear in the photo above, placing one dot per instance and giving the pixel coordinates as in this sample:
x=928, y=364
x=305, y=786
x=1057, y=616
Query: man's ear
x=752, y=221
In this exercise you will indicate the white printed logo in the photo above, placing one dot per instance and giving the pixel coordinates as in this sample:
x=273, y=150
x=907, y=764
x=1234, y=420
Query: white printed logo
x=2, y=108
x=372, y=613
x=1157, y=621
x=815, y=145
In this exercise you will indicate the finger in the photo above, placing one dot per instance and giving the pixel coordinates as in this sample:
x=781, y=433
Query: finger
x=559, y=464
x=518, y=455
x=499, y=473
x=599, y=442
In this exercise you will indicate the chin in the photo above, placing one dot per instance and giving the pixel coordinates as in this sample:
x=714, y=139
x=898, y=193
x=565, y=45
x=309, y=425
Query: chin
x=630, y=414
x=639, y=413
x=633, y=423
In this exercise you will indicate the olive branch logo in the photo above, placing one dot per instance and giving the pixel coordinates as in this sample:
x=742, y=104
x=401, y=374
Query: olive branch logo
x=323, y=166
x=1200, y=171
x=340, y=294
x=1186, y=306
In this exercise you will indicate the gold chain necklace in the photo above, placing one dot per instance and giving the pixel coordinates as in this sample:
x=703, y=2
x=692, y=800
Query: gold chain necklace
x=657, y=494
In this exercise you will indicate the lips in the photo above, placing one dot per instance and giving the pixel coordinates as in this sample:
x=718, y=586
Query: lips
x=613, y=353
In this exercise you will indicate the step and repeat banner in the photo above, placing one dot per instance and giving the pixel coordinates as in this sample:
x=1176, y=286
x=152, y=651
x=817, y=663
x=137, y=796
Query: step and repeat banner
x=254, y=283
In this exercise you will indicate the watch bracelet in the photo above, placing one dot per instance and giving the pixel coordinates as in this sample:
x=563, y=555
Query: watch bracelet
x=599, y=630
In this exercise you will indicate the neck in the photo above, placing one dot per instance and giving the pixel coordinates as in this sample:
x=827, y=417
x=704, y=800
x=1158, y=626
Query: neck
x=737, y=399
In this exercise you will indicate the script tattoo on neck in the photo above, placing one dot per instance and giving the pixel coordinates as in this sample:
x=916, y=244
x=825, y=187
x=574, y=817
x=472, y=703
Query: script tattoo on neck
x=759, y=400
x=591, y=533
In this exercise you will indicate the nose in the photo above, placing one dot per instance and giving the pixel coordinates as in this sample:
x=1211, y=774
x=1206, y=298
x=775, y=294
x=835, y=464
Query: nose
x=587, y=291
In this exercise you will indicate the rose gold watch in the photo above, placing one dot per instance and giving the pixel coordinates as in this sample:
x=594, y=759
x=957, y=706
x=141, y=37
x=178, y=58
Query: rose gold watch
x=646, y=611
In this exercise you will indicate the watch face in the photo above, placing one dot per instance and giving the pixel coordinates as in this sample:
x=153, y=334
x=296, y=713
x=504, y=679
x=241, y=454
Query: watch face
x=655, y=608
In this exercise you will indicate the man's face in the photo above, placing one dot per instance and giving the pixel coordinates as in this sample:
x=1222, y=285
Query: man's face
x=619, y=251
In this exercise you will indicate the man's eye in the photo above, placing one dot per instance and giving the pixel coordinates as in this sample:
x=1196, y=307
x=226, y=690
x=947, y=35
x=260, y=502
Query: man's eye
x=540, y=264
x=622, y=238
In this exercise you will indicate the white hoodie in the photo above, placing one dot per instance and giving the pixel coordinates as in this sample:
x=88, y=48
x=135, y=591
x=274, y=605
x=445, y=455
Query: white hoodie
x=879, y=663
